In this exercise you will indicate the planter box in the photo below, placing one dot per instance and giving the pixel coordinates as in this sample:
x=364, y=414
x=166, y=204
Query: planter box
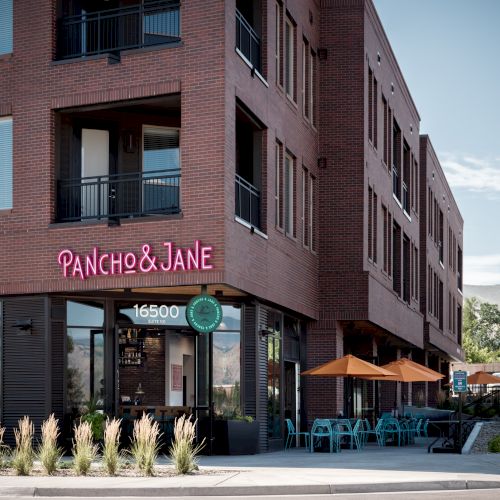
x=236, y=437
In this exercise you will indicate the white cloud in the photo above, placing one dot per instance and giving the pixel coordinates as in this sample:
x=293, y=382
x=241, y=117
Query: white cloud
x=482, y=269
x=473, y=174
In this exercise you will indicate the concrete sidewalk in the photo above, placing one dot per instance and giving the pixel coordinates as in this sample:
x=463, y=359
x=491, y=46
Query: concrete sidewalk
x=291, y=472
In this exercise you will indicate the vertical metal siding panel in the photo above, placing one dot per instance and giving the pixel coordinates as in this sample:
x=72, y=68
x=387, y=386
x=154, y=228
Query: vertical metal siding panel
x=24, y=363
x=262, y=380
x=57, y=356
x=249, y=359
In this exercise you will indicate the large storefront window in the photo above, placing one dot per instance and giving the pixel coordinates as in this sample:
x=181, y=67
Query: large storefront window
x=226, y=364
x=164, y=361
x=85, y=354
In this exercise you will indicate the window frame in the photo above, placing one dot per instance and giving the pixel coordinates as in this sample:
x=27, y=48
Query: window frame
x=290, y=51
x=289, y=182
x=8, y=174
x=7, y=28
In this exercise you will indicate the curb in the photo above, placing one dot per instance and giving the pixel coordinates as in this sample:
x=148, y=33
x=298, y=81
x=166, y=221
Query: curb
x=308, y=489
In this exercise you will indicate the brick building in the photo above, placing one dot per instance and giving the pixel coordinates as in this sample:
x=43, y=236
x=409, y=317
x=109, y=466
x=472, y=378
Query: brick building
x=267, y=150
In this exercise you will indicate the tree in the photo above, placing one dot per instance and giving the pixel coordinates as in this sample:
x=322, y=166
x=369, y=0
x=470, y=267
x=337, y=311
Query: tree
x=481, y=331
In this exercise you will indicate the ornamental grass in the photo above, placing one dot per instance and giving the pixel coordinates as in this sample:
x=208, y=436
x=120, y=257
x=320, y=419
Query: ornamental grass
x=48, y=452
x=111, y=456
x=145, y=444
x=183, y=451
x=3, y=449
x=23, y=454
x=84, y=450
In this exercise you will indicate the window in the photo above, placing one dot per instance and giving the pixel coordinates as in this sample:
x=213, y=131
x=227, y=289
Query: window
x=5, y=163
x=385, y=259
x=441, y=237
x=312, y=85
x=274, y=388
x=372, y=108
x=396, y=160
x=306, y=79
x=449, y=312
x=389, y=245
x=375, y=223
x=278, y=54
x=416, y=276
x=459, y=268
x=415, y=185
x=305, y=207
x=278, y=185
x=290, y=58
x=406, y=269
x=387, y=133
x=459, y=324
x=85, y=353
x=396, y=258
x=406, y=177
x=6, y=23
x=289, y=195
x=161, y=157
x=450, y=251
x=440, y=311
x=386, y=136
x=312, y=203
x=372, y=224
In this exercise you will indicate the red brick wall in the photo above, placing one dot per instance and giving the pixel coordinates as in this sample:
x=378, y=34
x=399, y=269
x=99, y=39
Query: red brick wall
x=209, y=75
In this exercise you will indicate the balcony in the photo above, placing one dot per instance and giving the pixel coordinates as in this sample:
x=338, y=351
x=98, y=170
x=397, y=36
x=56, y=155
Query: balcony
x=247, y=198
x=248, y=42
x=112, y=30
x=120, y=195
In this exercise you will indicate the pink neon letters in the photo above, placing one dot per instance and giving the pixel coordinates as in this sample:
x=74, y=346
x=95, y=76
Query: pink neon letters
x=196, y=258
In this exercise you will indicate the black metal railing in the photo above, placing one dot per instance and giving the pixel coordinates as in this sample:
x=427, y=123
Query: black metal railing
x=247, y=201
x=248, y=42
x=107, y=31
x=406, y=199
x=118, y=195
x=395, y=182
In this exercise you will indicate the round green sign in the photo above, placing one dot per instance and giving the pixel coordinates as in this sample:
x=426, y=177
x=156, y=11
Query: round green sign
x=204, y=313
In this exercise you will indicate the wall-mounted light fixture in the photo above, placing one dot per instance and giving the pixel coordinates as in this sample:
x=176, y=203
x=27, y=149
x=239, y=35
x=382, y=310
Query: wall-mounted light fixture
x=23, y=324
x=266, y=332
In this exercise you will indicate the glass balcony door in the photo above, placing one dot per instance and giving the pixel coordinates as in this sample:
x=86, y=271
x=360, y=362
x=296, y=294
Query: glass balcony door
x=161, y=169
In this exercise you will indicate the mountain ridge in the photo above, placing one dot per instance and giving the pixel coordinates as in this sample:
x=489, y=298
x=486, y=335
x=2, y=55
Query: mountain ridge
x=485, y=293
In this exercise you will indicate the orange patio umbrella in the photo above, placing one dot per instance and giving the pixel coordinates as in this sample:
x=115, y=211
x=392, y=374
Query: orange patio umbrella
x=348, y=366
x=422, y=367
x=408, y=371
x=482, y=378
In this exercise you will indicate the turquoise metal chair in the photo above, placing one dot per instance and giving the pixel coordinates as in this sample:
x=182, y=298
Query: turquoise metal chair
x=368, y=431
x=392, y=429
x=293, y=433
x=322, y=428
x=344, y=429
x=357, y=434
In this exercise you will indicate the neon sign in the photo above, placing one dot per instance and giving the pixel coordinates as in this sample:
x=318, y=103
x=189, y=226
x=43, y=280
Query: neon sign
x=97, y=263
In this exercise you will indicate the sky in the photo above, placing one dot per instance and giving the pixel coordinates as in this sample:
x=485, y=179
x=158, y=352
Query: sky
x=448, y=51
